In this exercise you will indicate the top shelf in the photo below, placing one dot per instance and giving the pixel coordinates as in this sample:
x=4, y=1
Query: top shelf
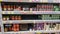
x=39, y=1
x=29, y=6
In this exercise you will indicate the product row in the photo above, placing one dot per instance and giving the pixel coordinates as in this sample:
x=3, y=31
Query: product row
x=18, y=6
x=46, y=33
x=35, y=33
x=31, y=27
x=0, y=28
x=31, y=16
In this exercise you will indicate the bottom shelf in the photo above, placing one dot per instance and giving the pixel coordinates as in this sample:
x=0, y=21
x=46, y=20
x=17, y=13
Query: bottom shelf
x=41, y=31
x=0, y=32
x=34, y=32
x=41, y=27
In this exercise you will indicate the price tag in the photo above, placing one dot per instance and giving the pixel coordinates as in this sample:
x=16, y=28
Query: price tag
x=36, y=0
x=56, y=1
x=11, y=22
x=37, y=32
x=4, y=22
x=30, y=12
x=50, y=1
x=44, y=0
x=19, y=0
x=9, y=12
x=1, y=0
x=30, y=0
x=12, y=12
x=59, y=1
x=40, y=0
x=3, y=12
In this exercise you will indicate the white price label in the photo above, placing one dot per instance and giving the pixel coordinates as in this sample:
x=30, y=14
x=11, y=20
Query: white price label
x=12, y=12
x=1, y=0
x=19, y=0
x=30, y=0
x=36, y=0
x=50, y=0
x=30, y=12
x=11, y=22
x=9, y=12
x=56, y=1
x=3, y=12
x=44, y=0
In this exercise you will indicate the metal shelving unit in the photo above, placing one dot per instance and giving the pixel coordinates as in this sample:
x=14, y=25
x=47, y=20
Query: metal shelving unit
x=28, y=21
x=30, y=12
x=44, y=1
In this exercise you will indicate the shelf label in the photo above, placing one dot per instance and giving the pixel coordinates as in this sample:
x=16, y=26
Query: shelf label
x=3, y=12
x=30, y=12
x=11, y=22
x=4, y=21
x=9, y=12
x=36, y=0
x=30, y=0
x=56, y=1
x=50, y=0
x=44, y=0
x=1, y=0
x=19, y=0
x=37, y=32
x=12, y=12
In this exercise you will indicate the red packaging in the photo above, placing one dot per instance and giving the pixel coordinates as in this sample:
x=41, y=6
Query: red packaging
x=0, y=29
x=16, y=17
x=12, y=17
x=10, y=29
x=15, y=27
x=47, y=6
x=20, y=8
x=52, y=6
x=12, y=7
x=43, y=6
x=9, y=8
x=5, y=7
x=19, y=18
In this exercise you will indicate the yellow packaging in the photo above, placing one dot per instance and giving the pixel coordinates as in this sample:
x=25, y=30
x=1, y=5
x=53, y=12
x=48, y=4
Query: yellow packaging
x=38, y=33
x=1, y=0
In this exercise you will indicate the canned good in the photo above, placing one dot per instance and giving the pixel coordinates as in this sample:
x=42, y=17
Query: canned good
x=12, y=17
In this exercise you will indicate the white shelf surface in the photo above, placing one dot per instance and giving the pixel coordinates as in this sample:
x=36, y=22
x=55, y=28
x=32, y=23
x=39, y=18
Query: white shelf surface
x=30, y=12
x=0, y=32
x=53, y=1
x=19, y=21
x=41, y=31
x=30, y=21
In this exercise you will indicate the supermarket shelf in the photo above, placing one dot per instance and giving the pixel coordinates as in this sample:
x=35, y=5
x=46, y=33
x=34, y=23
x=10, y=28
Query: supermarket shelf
x=1, y=0
x=47, y=21
x=40, y=1
x=31, y=21
x=19, y=21
x=17, y=1
x=17, y=12
x=30, y=12
x=42, y=31
x=0, y=32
